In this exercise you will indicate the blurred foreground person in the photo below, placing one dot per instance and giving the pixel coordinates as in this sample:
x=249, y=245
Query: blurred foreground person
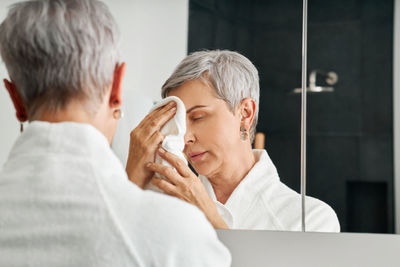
x=65, y=199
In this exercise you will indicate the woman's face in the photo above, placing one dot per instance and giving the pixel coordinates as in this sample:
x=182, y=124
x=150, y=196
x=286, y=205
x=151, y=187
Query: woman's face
x=213, y=131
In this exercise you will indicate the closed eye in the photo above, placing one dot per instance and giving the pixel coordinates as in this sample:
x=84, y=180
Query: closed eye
x=197, y=118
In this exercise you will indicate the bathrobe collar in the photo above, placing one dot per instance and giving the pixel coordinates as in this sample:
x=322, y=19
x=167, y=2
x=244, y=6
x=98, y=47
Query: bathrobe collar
x=247, y=192
x=68, y=138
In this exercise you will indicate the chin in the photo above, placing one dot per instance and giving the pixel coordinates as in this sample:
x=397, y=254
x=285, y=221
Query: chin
x=203, y=169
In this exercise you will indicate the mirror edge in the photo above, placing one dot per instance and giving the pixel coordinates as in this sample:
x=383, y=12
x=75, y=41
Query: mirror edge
x=396, y=112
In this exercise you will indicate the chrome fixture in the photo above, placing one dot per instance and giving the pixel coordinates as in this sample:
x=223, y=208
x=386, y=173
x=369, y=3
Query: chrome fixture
x=331, y=78
x=303, y=141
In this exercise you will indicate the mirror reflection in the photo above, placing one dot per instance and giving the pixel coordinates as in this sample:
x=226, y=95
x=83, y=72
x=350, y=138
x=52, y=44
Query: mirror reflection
x=350, y=139
x=350, y=130
x=237, y=187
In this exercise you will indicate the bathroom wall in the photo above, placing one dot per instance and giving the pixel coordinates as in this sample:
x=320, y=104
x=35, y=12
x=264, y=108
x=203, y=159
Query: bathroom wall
x=154, y=40
x=9, y=128
x=350, y=138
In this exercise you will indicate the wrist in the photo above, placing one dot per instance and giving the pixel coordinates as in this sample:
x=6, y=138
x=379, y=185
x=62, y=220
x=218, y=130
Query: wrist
x=135, y=178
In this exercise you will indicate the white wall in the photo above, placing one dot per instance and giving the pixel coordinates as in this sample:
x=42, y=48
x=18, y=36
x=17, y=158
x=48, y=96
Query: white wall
x=9, y=126
x=396, y=112
x=154, y=40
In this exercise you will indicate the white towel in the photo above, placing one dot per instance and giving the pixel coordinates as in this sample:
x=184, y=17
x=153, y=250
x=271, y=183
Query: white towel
x=173, y=131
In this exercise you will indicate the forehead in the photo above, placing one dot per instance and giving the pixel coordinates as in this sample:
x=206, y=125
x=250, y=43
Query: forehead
x=195, y=92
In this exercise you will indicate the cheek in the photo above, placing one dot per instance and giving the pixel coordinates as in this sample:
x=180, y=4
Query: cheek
x=220, y=132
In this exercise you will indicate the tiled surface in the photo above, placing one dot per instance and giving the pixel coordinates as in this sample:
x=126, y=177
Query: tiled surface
x=284, y=151
x=367, y=209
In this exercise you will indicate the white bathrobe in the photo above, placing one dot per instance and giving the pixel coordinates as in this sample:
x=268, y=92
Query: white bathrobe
x=262, y=201
x=65, y=200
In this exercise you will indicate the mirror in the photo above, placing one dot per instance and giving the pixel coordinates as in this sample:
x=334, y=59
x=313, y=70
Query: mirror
x=350, y=51
x=350, y=130
x=350, y=121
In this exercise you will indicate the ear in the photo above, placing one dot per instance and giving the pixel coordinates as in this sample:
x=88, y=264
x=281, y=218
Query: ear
x=247, y=112
x=116, y=89
x=20, y=110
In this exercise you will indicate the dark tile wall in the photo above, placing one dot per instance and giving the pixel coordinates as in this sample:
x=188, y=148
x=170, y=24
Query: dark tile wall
x=350, y=140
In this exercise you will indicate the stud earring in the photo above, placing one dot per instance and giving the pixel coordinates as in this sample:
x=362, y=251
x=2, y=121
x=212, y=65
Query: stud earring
x=118, y=114
x=243, y=133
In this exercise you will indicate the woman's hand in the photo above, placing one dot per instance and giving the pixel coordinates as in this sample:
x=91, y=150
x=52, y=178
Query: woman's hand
x=144, y=141
x=184, y=184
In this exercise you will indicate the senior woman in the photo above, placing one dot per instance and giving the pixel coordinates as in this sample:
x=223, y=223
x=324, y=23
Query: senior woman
x=65, y=199
x=237, y=187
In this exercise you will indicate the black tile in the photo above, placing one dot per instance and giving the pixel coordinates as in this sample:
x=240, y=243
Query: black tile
x=333, y=114
x=245, y=10
x=331, y=162
x=244, y=41
x=205, y=4
x=279, y=113
x=332, y=11
x=284, y=151
x=278, y=14
x=367, y=207
x=377, y=11
x=336, y=47
x=225, y=35
x=278, y=57
x=376, y=158
x=226, y=8
x=201, y=30
x=376, y=79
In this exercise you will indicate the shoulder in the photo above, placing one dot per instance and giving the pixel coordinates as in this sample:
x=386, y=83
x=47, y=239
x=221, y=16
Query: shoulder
x=286, y=206
x=176, y=216
x=185, y=230
x=152, y=222
x=320, y=217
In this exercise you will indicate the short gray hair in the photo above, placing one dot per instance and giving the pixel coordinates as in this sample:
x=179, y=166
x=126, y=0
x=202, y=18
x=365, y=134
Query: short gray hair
x=59, y=50
x=232, y=76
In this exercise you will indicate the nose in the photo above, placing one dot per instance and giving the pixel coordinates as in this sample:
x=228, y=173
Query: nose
x=189, y=137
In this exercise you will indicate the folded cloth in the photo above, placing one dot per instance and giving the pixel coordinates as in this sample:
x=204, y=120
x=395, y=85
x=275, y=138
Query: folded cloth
x=173, y=131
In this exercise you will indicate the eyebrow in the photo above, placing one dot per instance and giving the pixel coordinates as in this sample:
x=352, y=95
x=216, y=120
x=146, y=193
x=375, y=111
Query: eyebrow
x=194, y=107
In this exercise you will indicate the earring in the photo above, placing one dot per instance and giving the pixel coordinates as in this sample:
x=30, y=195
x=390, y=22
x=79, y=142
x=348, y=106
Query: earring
x=118, y=114
x=21, y=129
x=243, y=133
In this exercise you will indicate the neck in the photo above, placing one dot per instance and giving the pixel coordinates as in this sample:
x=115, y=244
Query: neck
x=74, y=112
x=77, y=112
x=229, y=177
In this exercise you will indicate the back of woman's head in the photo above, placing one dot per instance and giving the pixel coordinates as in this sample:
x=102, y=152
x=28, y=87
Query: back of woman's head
x=57, y=51
x=232, y=76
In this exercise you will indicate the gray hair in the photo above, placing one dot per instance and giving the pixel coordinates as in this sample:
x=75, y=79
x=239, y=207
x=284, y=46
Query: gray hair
x=59, y=50
x=232, y=76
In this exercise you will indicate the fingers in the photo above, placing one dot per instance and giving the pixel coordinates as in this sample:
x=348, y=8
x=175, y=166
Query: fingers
x=144, y=141
x=158, y=118
x=160, y=110
x=156, y=139
x=176, y=162
x=166, y=171
x=165, y=186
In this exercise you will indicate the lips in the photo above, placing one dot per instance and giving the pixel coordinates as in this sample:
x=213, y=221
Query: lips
x=196, y=156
